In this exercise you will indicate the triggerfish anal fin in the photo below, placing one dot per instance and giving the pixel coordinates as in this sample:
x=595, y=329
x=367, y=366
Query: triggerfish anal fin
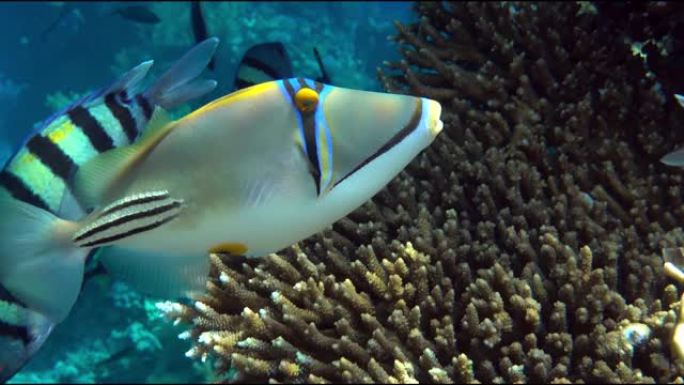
x=262, y=63
x=99, y=178
x=157, y=274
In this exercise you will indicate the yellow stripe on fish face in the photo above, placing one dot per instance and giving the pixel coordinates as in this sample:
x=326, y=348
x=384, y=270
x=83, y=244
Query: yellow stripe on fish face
x=38, y=177
x=253, y=92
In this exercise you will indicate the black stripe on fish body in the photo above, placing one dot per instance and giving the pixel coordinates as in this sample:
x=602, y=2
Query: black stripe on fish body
x=97, y=135
x=7, y=296
x=302, y=83
x=309, y=122
x=137, y=200
x=123, y=115
x=145, y=105
x=122, y=220
x=14, y=331
x=21, y=191
x=398, y=137
x=51, y=156
x=309, y=126
x=290, y=90
x=261, y=66
x=133, y=231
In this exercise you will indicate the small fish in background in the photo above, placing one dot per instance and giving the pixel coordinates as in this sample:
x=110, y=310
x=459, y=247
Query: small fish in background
x=262, y=63
x=39, y=175
x=675, y=158
x=137, y=13
x=69, y=18
x=269, y=61
x=199, y=26
x=247, y=174
x=324, y=78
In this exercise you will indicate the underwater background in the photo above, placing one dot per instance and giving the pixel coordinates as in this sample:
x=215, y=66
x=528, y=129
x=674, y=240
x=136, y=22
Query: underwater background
x=55, y=52
x=527, y=244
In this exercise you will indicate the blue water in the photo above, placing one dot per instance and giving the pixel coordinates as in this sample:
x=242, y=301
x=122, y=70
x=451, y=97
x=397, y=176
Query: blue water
x=113, y=334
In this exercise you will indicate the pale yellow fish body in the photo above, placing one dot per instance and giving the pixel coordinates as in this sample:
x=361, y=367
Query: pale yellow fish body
x=240, y=167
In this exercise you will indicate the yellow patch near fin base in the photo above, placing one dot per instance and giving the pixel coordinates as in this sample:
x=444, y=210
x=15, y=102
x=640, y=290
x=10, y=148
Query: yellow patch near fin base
x=229, y=248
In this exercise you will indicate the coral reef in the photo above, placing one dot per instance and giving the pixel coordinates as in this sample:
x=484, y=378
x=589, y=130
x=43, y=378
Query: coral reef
x=523, y=246
x=130, y=342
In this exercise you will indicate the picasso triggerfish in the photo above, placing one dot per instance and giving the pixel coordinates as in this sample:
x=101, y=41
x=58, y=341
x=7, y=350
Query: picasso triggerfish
x=247, y=174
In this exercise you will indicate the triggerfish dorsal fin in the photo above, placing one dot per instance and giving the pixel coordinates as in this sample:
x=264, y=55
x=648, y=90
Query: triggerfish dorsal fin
x=262, y=63
x=101, y=177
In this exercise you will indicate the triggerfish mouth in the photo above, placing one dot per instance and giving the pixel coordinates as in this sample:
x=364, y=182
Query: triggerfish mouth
x=247, y=174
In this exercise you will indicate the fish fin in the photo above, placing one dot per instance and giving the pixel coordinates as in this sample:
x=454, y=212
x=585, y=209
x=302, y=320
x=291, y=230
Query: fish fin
x=127, y=81
x=185, y=92
x=680, y=99
x=100, y=177
x=186, y=69
x=69, y=208
x=262, y=63
x=126, y=217
x=38, y=263
x=324, y=78
x=159, y=275
x=131, y=78
x=674, y=158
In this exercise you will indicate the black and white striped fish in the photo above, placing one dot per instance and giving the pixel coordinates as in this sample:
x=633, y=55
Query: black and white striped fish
x=39, y=174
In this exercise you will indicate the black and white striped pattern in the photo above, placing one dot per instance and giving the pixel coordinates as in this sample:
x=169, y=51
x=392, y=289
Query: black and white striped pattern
x=129, y=216
x=113, y=122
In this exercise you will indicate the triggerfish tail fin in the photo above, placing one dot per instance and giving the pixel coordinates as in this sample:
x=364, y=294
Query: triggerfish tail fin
x=263, y=63
x=39, y=264
x=179, y=84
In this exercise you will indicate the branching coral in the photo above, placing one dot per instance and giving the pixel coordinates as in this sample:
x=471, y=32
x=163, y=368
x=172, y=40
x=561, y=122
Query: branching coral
x=523, y=245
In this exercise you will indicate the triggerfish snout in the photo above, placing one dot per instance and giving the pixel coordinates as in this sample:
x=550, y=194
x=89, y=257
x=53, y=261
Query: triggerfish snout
x=250, y=173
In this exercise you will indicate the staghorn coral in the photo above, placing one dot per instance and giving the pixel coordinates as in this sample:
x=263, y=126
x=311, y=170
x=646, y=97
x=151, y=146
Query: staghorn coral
x=523, y=246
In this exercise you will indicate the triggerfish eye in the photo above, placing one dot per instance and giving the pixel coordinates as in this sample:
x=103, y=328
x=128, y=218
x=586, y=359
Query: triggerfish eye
x=306, y=99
